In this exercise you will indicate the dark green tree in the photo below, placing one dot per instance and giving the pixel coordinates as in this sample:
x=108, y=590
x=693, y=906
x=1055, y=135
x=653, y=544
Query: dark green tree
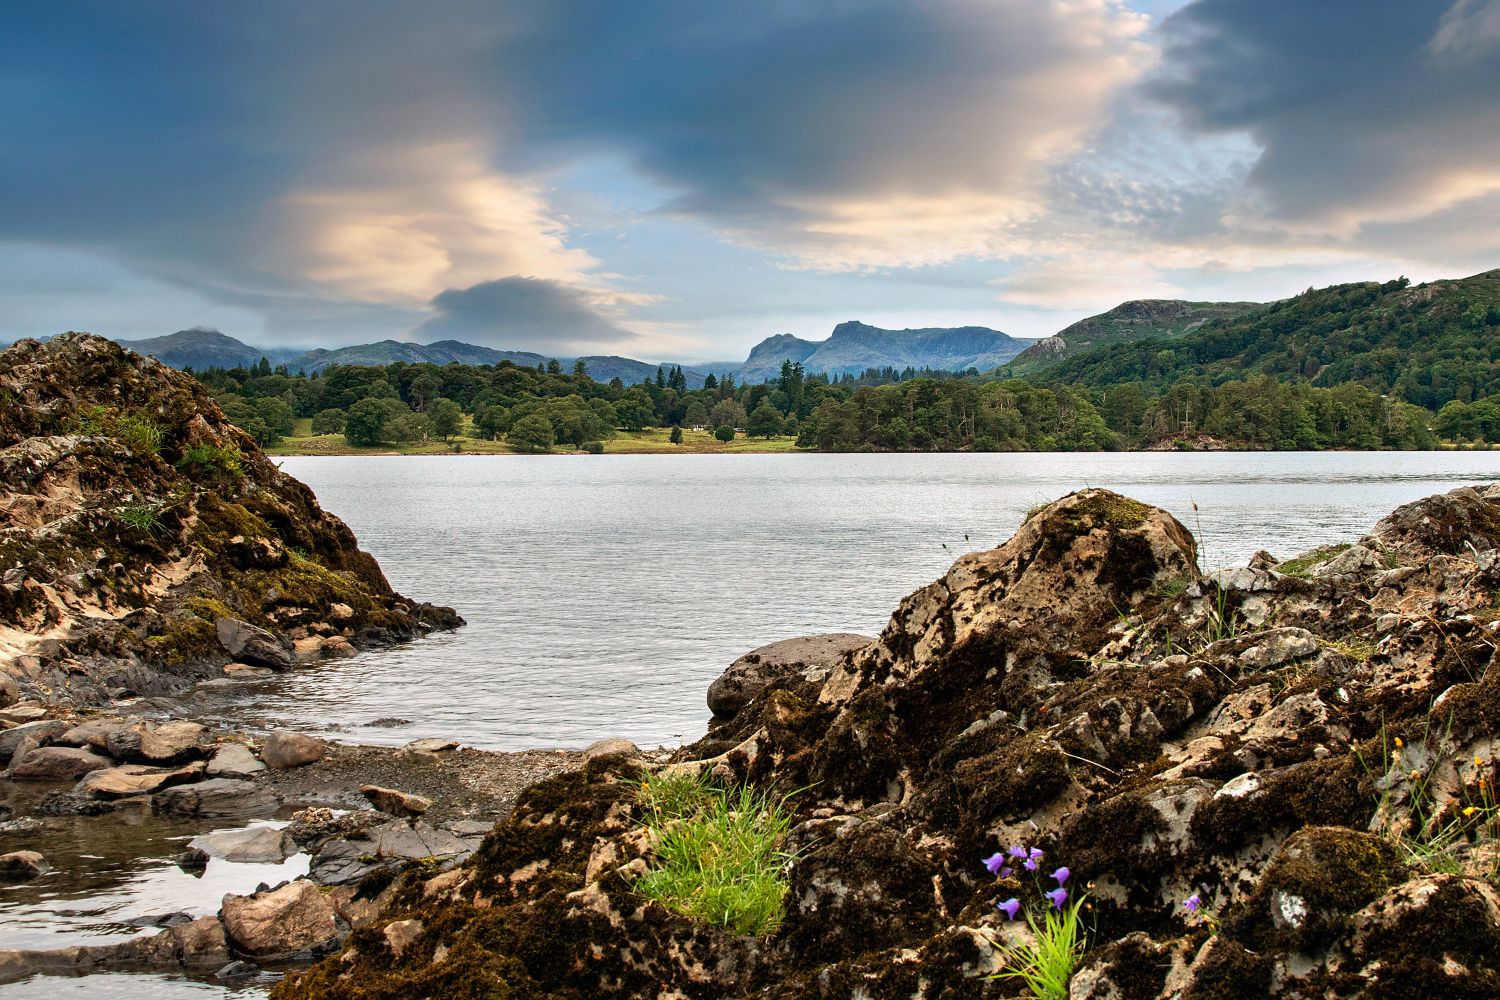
x=531, y=434
x=365, y=422
x=764, y=422
x=724, y=433
x=676, y=436
x=445, y=416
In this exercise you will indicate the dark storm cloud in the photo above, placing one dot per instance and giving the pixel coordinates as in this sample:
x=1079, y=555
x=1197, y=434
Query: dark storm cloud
x=1365, y=110
x=527, y=314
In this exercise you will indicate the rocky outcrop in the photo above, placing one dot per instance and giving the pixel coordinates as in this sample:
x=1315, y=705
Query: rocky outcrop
x=1083, y=689
x=146, y=542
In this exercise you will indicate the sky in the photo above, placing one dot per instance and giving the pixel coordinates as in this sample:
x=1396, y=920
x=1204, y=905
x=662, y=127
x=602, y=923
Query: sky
x=674, y=179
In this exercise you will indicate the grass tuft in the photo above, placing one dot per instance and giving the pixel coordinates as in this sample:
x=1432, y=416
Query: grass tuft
x=140, y=517
x=1046, y=963
x=718, y=852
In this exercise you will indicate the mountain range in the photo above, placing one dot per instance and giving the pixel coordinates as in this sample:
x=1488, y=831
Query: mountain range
x=855, y=347
x=852, y=348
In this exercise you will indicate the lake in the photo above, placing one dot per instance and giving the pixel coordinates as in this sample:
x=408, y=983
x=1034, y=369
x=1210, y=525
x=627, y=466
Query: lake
x=604, y=594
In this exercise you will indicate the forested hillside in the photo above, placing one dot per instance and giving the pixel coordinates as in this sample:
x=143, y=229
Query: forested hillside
x=1427, y=344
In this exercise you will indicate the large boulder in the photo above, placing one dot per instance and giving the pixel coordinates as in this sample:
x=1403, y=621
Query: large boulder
x=295, y=921
x=149, y=540
x=36, y=732
x=22, y=866
x=810, y=658
x=395, y=802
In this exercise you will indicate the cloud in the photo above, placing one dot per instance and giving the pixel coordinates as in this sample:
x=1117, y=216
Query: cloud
x=525, y=314
x=399, y=224
x=1382, y=111
x=840, y=135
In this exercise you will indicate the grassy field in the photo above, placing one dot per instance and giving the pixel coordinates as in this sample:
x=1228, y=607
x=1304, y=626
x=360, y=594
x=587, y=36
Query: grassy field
x=652, y=441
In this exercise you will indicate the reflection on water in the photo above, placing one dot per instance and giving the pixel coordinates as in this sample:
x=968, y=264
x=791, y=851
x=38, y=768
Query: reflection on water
x=604, y=594
x=113, y=877
x=113, y=873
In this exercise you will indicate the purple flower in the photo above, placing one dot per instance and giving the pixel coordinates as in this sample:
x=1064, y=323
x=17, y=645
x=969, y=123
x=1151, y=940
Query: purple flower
x=1193, y=903
x=1007, y=872
x=1059, y=896
x=1016, y=851
x=994, y=862
x=1062, y=875
x=1032, y=859
x=1011, y=907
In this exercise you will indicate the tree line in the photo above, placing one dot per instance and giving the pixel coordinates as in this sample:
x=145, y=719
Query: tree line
x=538, y=409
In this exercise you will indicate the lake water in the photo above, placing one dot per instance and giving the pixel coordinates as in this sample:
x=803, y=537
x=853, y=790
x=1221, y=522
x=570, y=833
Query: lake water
x=604, y=594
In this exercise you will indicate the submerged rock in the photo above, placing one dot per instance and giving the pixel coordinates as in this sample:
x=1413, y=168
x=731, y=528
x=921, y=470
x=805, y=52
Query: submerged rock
x=22, y=866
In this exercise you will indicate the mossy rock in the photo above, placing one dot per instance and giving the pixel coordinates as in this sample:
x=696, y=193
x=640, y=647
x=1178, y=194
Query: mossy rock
x=1318, y=880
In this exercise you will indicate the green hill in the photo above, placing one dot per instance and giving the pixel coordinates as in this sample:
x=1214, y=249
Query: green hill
x=1138, y=319
x=1427, y=344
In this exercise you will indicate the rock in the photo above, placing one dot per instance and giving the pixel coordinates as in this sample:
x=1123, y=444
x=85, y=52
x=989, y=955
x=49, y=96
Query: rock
x=22, y=866
x=811, y=658
x=246, y=671
x=57, y=764
x=233, y=760
x=389, y=800
x=60, y=803
x=336, y=647
x=1278, y=646
x=1445, y=928
x=307, y=650
x=251, y=845
x=610, y=746
x=345, y=860
x=1354, y=559
x=10, y=691
x=251, y=644
x=283, y=750
x=93, y=734
x=292, y=922
x=150, y=743
x=135, y=779
x=340, y=612
x=237, y=970
x=431, y=745
x=20, y=714
x=1318, y=879
x=399, y=934
x=216, y=797
x=42, y=732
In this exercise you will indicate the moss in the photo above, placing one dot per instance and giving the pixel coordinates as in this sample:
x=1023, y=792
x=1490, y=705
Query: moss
x=1321, y=875
x=183, y=639
x=1301, y=565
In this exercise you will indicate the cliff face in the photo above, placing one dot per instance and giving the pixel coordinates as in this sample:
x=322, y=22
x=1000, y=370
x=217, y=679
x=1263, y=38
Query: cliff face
x=147, y=542
x=1306, y=750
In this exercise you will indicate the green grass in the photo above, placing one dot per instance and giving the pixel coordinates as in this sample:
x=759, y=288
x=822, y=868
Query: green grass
x=718, y=852
x=211, y=459
x=139, y=517
x=651, y=441
x=140, y=434
x=1046, y=964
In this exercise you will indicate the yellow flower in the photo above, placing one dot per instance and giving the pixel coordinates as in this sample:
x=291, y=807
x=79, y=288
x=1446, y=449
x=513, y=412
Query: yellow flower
x=1415, y=775
x=1477, y=761
x=1399, y=744
x=1470, y=811
x=1395, y=758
